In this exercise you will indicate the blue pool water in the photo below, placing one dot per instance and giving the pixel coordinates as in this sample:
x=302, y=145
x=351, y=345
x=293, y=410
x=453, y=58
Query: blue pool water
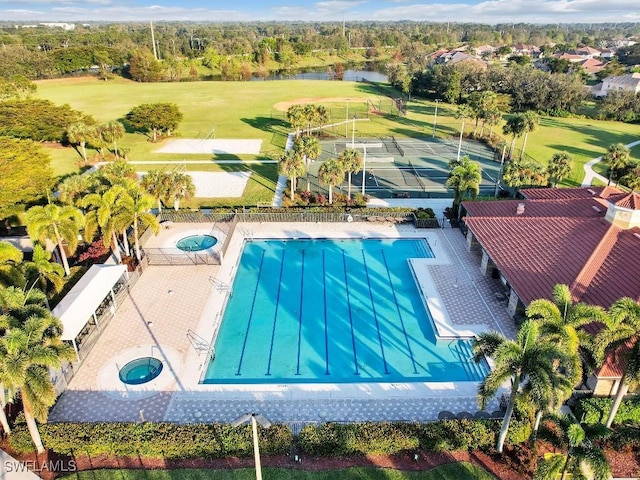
x=196, y=243
x=333, y=311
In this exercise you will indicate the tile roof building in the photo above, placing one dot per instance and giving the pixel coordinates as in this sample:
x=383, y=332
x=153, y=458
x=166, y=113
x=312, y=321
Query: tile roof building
x=586, y=238
x=629, y=82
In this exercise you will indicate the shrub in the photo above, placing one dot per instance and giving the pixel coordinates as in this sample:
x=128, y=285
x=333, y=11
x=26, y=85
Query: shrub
x=165, y=440
x=596, y=410
x=452, y=435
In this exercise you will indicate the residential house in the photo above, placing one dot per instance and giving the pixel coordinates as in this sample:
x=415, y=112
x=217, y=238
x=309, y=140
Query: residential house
x=527, y=50
x=586, y=238
x=629, y=82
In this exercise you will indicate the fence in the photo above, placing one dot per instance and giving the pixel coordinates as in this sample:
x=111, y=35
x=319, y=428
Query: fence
x=173, y=256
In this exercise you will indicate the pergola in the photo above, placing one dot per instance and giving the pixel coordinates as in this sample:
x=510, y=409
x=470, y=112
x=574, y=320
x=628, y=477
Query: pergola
x=80, y=304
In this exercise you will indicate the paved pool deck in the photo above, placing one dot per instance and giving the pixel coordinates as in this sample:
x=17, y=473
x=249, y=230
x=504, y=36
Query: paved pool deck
x=172, y=311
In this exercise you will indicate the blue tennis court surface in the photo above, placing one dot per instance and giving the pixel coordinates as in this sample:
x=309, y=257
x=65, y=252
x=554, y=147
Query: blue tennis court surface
x=332, y=311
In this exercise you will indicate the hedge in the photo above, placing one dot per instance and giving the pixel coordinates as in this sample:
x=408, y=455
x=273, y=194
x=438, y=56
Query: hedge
x=177, y=441
x=596, y=410
x=166, y=440
x=332, y=439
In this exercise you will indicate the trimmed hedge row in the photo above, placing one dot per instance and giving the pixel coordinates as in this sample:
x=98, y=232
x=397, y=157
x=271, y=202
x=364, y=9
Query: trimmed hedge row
x=166, y=440
x=596, y=410
x=176, y=441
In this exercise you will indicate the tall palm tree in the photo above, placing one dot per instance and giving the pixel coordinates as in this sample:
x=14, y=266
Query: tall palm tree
x=309, y=149
x=80, y=134
x=101, y=215
x=464, y=178
x=60, y=224
x=559, y=167
x=492, y=118
x=292, y=166
x=322, y=115
x=530, y=120
x=118, y=172
x=310, y=112
x=181, y=187
x=519, y=173
x=10, y=261
x=331, y=173
x=621, y=337
x=617, y=157
x=44, y=273
x=75, y=186
x=530, y=359
x=28, y=349
x=133, y=207
x=295, y=116
x=515, y=127
x=157, y=184
x=112, y=132
x=563, y=432
x=351, y=161
x=463, y=112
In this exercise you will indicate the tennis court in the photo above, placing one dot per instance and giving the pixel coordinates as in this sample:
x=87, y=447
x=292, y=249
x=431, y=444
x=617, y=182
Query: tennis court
x=413, y=167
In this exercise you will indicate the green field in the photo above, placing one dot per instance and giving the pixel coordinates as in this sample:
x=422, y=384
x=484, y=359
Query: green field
x=248, y=110
x=452, y=471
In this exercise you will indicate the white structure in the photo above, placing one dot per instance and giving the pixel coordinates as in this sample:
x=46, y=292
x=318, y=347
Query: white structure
x=629, y=82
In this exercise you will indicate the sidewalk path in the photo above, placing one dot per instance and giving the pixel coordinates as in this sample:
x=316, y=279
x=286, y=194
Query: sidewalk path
x=590, y=175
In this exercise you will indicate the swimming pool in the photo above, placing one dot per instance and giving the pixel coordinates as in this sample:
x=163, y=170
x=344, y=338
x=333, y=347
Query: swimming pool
x=332, y=311
x=196, y=243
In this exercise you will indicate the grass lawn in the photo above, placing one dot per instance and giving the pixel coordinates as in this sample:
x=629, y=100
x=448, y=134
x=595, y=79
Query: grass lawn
x=452, y=471
x=247, y=110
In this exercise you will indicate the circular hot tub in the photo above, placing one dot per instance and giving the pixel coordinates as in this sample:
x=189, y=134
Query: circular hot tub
x=140, y=370
x=196, y=243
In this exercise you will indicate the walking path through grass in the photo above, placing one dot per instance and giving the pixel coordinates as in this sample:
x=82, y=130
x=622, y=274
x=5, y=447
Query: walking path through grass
x=590, y=174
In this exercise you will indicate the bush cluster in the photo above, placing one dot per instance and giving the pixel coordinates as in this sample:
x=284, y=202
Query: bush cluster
x=166, y=440
x=596, y=410
x=333, y=439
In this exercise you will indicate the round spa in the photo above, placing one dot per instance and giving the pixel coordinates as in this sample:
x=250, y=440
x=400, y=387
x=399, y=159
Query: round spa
x=140, y=370
x=196, y=243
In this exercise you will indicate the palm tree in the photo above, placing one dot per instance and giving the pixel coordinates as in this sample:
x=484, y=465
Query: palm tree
x=118, y=172
x=621, y=337
x=295, y=116
x=181, y=187
x=79, y=134
x=10, y=261
x=464, y=178
x=530, y=120
x=463, y=112
x=331, y=173
x=58, y=224
x=564, y=432
x=292, y=166
x=28, y=349
x=529, y=359
x=309, y=149
x=515, y=127
x=133, y=210
x=617, y=157
x=351, y=161
x=559, y=167
x=112, y=132
x=322, y=115
x=519, y=173
x=157, y=184
x=492, y=118
x=310, y=112
x=102, y=216
x=632, y=179
x=74, y=186
x=44, y=273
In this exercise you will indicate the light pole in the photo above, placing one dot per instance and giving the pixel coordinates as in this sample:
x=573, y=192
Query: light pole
x=435, y=118
x=504, y=149
x=364, y=169
x=254, y=419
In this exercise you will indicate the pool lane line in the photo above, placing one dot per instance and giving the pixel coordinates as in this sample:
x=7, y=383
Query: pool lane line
x=275, y=315
x=353, y=338
x=395, y=300
x=326, y=325
x=375, y=314
x=300, y=317
x=253, y=304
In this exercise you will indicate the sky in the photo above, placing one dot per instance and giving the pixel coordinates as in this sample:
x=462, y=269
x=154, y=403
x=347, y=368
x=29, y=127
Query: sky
x=480, y=11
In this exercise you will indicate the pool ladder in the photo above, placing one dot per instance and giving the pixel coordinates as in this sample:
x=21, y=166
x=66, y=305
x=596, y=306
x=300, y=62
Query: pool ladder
x=199, y=344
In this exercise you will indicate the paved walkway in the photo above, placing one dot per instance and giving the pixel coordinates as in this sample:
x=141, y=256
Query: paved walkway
x=168, y=302
x=590, y=174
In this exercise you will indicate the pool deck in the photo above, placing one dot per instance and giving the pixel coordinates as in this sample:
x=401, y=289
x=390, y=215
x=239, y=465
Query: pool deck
x=184, y=305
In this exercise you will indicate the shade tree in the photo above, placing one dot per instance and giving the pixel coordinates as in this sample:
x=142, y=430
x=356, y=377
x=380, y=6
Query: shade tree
x=155, y=118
